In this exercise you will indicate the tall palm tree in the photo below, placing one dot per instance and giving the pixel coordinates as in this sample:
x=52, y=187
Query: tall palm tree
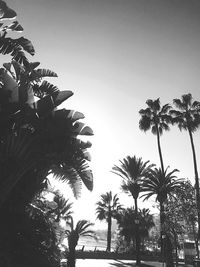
x=155, y=118
x=107, y=208
x=161, y=185
x=73, y=234
x=187, y=117
x=132, y=170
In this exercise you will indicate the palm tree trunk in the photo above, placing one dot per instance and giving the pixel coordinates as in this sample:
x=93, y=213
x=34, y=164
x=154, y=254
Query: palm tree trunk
x=71, y=259
x=196, y=185
x=159, y=149
x=195, y=238
x=176, y=246
x=168, y=252
x=109, y=232
x=137, y=236
x=162, y=232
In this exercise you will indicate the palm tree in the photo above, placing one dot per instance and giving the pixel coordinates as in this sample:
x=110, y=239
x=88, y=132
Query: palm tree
x=161, y=185
x=73, y=234
x=187, y=117
x=63, y=207
x=146, y=223
x=107, y=208
x=127, y=226
x=156, y=118
x=132, y=170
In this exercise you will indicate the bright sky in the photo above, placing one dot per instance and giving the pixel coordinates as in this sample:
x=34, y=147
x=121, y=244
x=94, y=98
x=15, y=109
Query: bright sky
x=114, y=55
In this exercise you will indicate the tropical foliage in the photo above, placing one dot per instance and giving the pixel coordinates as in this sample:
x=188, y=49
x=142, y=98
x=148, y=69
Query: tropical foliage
x=181, y=214
x=35, y=140
x=126, y=220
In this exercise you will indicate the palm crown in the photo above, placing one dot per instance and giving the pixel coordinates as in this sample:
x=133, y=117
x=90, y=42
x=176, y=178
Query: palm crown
x=107, y=206
x=132, y=170
x=155, y=117
x=81, y=229
x=187, y=115
x=160, y=184
x=73, y=233
x=63, y=207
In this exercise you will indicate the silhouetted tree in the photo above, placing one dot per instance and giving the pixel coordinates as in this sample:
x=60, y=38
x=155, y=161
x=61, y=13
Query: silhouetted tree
x=73, y=234
x=107, y=208
x=161, y=185
x=132, y=170
x=155, y=118
x=146, y=223
x=63, y=207
x=127, y=226
x=187, y=117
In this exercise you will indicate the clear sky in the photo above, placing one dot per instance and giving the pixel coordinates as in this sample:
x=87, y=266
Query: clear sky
x=114, y=55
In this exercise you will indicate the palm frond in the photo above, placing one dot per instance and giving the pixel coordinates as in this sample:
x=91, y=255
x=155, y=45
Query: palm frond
x=82, y=225
x=145, y=123
x=177, y=102
x=108, y=206
x=160, y=184
x=80, y=128
x=14, y=26
x=6, y=12
x=69, y=176
x=44, y=89
x=16, y=48
x=37, y=74
x=26, y=45
x=165, y=109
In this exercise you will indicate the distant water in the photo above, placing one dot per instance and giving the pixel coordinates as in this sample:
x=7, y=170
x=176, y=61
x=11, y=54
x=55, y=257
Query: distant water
x=91, y=244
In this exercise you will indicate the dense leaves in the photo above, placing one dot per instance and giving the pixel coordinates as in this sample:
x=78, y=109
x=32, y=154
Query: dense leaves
x=155, y=117
x=186, y=116
x=36, y=140
x=16, y=48
x=126, y=220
